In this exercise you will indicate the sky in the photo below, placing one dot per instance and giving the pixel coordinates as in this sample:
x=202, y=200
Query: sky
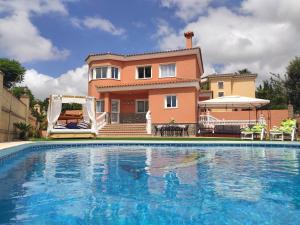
x=51, y=38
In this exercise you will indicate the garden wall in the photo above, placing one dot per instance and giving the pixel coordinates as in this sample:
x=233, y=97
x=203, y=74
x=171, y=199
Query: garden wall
x=12, y=110
x=273, y=117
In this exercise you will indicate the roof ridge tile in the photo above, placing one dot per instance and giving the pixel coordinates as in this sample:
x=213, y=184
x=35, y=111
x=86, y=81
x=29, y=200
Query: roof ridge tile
x=139, y=54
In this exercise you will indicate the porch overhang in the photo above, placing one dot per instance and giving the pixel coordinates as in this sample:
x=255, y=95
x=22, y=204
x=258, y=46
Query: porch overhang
x=133, y=87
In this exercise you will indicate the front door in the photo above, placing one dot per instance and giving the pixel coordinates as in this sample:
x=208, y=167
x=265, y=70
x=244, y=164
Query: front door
x=115, y=111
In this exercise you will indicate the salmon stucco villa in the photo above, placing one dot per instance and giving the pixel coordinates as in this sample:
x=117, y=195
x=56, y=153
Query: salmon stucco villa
x=165, y=84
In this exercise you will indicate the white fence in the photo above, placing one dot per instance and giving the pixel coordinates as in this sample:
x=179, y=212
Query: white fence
x=210, y=121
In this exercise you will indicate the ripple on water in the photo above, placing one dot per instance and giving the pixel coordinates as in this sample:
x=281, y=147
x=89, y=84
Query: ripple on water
x=151, y=185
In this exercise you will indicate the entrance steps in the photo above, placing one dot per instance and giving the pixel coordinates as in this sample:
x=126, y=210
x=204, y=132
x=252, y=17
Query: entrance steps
x=124, y=129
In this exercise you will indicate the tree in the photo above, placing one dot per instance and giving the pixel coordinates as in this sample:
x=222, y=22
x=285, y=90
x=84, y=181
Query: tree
x=274, y=90
x=244, y=71
x=205, y=85
x=71, y=106
x=293, y=83
x=19, y=91
x=13, y=72
x=40, y=118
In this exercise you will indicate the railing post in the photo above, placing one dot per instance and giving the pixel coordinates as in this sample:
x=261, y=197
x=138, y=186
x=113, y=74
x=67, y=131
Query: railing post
x=101, y=120
x=149, y=123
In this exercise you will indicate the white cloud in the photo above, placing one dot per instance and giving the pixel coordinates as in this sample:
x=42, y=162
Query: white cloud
x=98, y=23
x=73, y=82
x=163, y=29
x=274, y=10
x=19, y=38
x=187, y=9
x=32, y=6
x=256, y=37
x=138, y=24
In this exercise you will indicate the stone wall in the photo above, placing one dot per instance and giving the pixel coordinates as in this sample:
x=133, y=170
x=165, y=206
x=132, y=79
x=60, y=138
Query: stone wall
x=191, y=129
x=12, y=110
x=273, y=117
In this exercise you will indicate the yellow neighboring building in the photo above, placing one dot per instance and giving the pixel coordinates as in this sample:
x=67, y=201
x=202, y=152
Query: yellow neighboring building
x=232, y=84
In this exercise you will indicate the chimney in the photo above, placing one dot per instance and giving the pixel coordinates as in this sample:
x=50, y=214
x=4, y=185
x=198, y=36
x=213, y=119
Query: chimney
x=188, y=39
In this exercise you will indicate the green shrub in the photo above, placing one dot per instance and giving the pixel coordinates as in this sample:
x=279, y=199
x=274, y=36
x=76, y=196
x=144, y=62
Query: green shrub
x=24, y=129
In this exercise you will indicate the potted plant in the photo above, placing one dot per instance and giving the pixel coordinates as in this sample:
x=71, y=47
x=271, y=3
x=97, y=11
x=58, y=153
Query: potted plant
x=172, y=121
x=24, y=129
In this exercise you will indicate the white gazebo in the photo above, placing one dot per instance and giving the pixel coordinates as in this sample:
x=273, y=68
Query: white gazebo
x=89, y=115
x=236, y=102
x=231, y=102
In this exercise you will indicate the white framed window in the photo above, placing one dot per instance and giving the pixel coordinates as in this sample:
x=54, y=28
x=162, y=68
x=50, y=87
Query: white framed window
x=171, y=101
x=141, y=106
x=167, y=70
x=115, y=73
x=101, y=72
x=106, y=72
x=144, y=72
x=100, y=106
x=220, y=94
x=220, y=85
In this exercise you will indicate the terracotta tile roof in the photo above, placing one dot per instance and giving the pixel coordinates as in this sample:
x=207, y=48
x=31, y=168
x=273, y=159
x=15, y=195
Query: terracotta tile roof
x=230, y=75
x=139, y=54
x=113, y=83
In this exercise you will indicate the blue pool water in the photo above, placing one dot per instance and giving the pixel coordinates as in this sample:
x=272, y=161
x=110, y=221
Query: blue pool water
x=151, y=185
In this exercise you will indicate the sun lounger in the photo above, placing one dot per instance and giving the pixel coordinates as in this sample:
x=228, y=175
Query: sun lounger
x=257, y=131
x=287, y=130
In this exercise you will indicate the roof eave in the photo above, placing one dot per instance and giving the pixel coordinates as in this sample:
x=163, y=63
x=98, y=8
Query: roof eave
x=161, y=54
x=194, y=83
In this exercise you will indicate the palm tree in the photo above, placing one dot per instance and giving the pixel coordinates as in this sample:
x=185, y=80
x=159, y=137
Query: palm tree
x=40, y=118
x=24, y=129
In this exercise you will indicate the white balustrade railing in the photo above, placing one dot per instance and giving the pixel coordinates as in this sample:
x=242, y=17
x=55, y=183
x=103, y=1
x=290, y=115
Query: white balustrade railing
x=210, y=121
x=101, y=120
x=149, y=123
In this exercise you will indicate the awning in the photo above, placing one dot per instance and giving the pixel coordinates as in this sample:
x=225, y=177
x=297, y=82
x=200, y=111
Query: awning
x=234, y=102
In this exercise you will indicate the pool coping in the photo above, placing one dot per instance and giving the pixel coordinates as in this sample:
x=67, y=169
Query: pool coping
x=10, y=151
x=5, y=145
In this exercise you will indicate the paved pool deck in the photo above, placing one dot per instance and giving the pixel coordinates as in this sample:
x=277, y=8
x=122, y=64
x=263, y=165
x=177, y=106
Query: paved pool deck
x=4, y=145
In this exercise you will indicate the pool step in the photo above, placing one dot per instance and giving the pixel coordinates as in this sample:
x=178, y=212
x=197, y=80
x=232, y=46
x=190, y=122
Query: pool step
x=124, y=129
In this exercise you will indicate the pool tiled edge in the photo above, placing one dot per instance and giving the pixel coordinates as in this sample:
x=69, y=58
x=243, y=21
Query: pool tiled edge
x=11, y=151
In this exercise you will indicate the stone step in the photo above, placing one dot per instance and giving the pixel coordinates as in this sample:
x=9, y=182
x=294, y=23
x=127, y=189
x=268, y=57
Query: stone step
x=123, y=128
x=127, y=125
x=122, y=131
x=124, y=134
x=130, y=129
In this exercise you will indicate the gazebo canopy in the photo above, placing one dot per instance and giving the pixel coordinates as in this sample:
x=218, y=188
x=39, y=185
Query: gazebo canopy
x=234, y=102
x=55, y=107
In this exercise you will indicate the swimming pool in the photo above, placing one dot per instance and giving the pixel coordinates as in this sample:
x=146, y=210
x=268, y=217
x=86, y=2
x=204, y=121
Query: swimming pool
x=150, y=184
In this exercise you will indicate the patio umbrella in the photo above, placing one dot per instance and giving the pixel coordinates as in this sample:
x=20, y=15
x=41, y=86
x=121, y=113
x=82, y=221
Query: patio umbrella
x=234, y=102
